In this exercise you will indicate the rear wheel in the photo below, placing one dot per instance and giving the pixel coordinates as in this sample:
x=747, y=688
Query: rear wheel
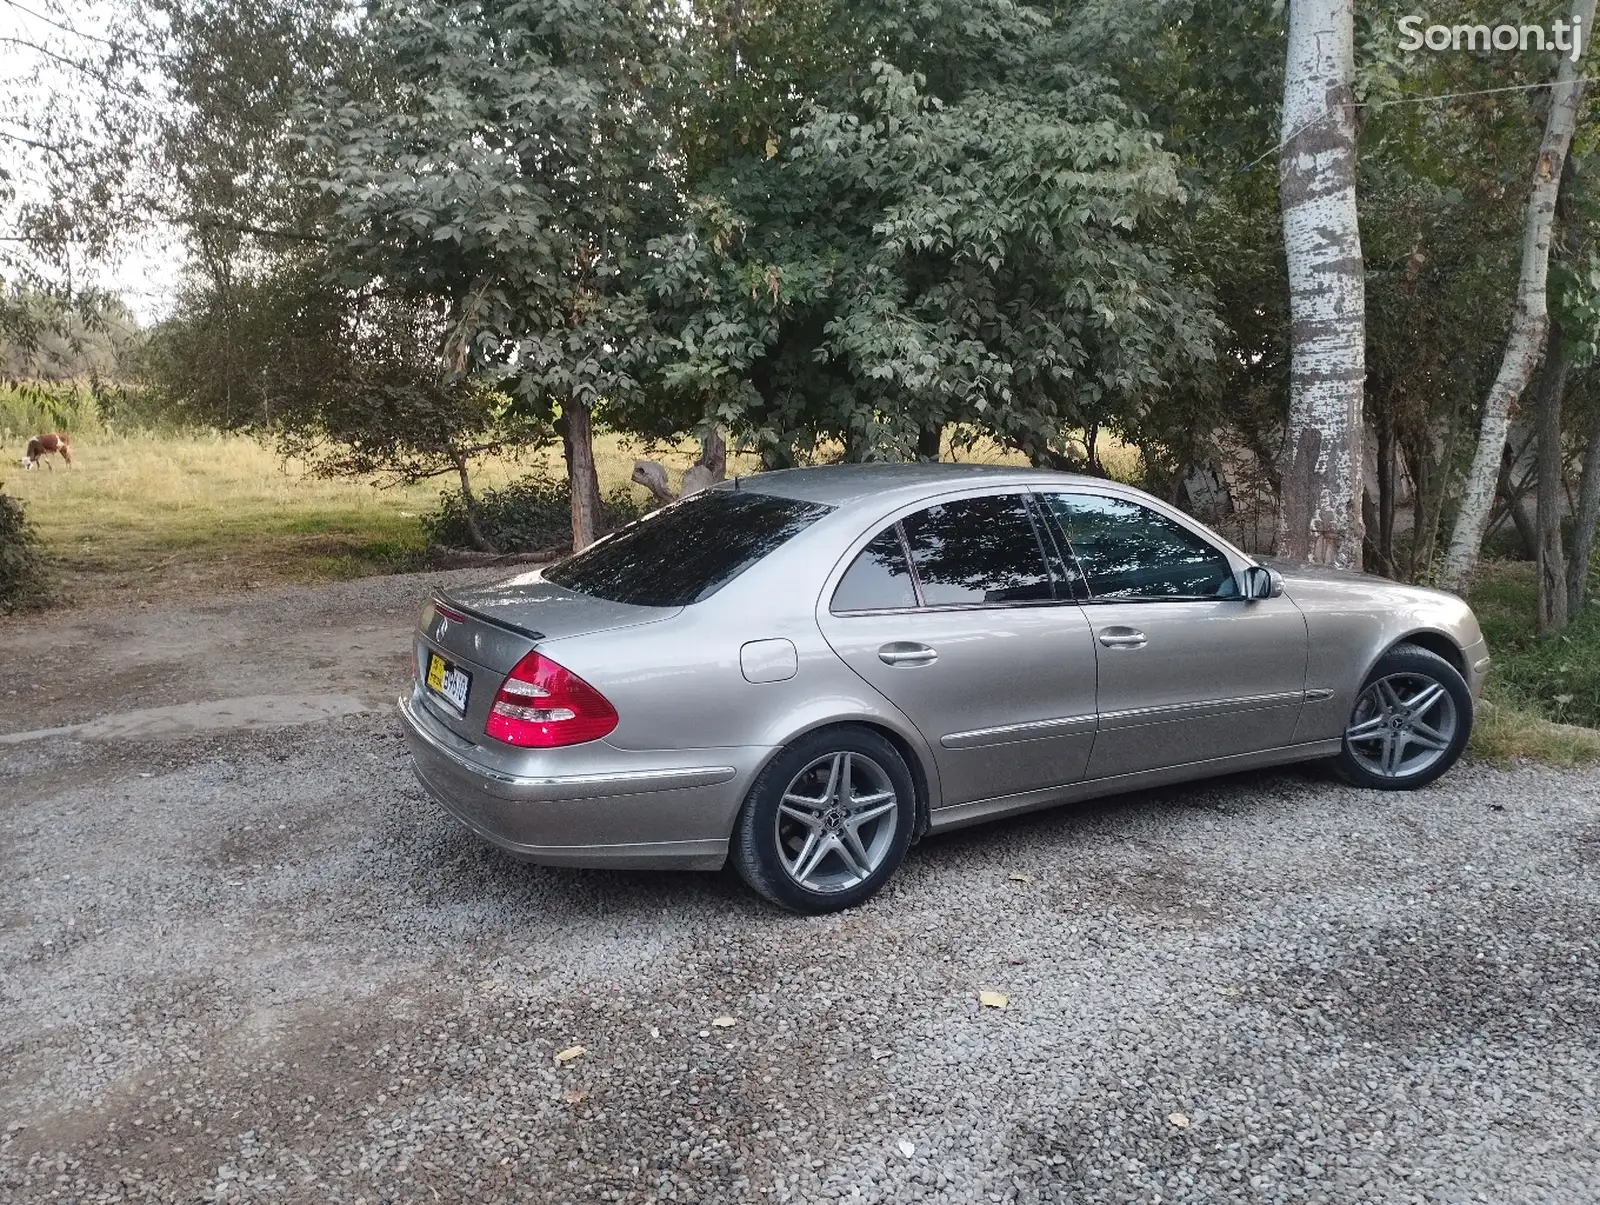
x=1410, y=722
x=827, y=822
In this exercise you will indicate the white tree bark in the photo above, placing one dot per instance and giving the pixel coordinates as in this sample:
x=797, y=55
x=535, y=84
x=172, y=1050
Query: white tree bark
x=1529, y=321
x=1319, y=517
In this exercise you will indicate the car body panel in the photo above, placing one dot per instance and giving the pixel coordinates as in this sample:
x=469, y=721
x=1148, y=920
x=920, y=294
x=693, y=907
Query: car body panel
x=1352, y=619
x=1006, y=705
x=700, y=714
x=1213, y=678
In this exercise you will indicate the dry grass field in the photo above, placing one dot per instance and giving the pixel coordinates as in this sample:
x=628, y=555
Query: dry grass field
x=143, y=517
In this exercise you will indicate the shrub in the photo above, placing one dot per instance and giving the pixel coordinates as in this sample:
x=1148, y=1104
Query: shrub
x=23, y=569
x=530, y=515
x=1557, y=676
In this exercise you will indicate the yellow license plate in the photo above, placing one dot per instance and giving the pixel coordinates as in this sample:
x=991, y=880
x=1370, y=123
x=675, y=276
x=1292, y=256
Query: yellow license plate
x=449, y=681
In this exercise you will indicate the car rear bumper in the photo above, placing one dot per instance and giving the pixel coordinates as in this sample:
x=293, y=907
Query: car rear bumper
x=628, y=815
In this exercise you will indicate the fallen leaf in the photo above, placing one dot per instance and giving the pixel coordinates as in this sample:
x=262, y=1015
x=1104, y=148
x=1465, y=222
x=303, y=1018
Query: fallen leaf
x=1020, y=876
x=574, y=1095
x=990, y=999
x=907, y=1147
x=723, y=1022
x=1181, y=1120
x=570, y=1053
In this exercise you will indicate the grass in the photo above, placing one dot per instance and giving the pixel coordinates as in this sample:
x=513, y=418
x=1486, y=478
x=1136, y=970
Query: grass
x=1542, y=700
x=144, y=516
x=1556, y=677
x=141, y=516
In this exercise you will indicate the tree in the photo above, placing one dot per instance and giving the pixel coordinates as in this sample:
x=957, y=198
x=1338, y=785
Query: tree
x=1530, y=320
x=508, y=169
x=346, y=379
x=1321, y=475
x=958, y=227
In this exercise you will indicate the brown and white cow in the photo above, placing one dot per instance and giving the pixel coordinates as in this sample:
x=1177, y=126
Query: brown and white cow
x=44, y=445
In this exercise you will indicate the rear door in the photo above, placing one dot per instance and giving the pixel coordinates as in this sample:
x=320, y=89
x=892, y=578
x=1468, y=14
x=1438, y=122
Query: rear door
x=1188, y=669
x=956, y=614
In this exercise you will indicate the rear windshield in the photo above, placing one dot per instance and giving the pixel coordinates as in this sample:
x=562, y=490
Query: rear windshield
x=688, y=551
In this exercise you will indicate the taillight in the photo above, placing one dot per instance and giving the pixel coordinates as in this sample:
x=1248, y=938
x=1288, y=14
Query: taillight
x=542, y=706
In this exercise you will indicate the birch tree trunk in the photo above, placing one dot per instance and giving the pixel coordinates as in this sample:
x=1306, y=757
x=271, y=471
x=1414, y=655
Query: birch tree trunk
x=1319, y=518
x=1529, y=321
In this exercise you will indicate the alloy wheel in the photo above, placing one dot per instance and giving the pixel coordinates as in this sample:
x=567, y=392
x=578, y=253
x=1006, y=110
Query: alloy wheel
x=836, y=822
x=1403, y=723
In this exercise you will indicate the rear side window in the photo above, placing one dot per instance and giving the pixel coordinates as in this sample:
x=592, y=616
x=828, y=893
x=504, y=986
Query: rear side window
x=974, y=551
x=687, y=551
x=879, y=579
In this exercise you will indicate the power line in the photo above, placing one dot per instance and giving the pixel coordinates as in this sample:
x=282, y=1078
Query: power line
x=74, y=31
x=1410, y=100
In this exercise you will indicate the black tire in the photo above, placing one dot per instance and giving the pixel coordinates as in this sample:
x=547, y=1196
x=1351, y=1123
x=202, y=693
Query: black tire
x=762, y=837
x=1379, y=732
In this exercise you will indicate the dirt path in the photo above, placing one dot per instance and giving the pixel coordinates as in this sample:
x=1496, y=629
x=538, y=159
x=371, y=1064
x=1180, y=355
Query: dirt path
x=281, y=655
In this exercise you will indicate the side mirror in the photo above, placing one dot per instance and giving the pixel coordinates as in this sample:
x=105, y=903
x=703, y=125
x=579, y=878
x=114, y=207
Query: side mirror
x=1261, y=582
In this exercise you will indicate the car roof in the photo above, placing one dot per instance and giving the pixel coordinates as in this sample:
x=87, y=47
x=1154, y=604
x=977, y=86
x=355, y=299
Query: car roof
x=843, y=484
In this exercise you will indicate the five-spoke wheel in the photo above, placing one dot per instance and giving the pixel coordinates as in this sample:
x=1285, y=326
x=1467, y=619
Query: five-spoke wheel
x=827, y=822
x=1410, y=721
x=836, y=822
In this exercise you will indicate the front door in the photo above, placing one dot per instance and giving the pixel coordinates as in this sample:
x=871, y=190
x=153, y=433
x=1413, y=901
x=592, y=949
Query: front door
x=1188, y=669
x=958, y=617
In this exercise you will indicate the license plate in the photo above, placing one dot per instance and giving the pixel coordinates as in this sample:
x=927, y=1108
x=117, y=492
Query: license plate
x=449, y=681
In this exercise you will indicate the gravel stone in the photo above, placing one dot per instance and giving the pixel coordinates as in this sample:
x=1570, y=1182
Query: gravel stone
x=260, y=966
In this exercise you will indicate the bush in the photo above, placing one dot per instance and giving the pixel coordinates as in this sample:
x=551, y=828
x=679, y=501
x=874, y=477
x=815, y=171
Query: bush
x=23, y=569
x=1556, y=677
x=91, y=407
x=29, y=407
x=530, y=515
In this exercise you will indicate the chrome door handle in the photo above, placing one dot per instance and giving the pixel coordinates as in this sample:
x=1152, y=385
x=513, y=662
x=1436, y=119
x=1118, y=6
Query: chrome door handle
x=1123, y=638
x=903, y=652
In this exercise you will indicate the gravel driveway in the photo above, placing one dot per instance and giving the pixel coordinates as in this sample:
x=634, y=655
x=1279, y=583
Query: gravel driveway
x=243, y=959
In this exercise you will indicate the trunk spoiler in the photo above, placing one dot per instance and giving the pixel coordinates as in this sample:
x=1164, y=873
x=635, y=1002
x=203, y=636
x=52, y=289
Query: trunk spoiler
x=442, y=599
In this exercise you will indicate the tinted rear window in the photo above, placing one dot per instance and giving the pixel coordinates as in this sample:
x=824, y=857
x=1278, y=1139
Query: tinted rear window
x=688, y=551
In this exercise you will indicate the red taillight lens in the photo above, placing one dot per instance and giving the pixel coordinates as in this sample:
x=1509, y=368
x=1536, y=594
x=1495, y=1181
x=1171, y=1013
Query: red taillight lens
x=542, y=706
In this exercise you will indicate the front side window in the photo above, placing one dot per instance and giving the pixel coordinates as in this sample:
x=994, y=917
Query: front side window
x=687, y=551
x=976, y=551
x=1130, y=551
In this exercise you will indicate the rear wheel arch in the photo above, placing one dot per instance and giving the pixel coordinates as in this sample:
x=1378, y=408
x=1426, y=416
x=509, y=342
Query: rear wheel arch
x=844, y=830
x=907, y=751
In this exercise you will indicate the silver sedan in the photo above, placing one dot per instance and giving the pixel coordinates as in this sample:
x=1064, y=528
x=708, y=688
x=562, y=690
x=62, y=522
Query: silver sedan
x=805, y=671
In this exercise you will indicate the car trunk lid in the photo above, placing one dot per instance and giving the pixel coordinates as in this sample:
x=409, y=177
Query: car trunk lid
x=484, y=631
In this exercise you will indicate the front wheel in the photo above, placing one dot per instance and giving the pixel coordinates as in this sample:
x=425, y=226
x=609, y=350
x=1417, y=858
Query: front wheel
x=1410, y=722
x=827, y=822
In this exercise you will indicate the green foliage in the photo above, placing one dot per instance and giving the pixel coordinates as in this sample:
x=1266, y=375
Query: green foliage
x=969, y=230
x=504, y=172
x=24, y=571
x=530, y=515
x=1556, y=677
